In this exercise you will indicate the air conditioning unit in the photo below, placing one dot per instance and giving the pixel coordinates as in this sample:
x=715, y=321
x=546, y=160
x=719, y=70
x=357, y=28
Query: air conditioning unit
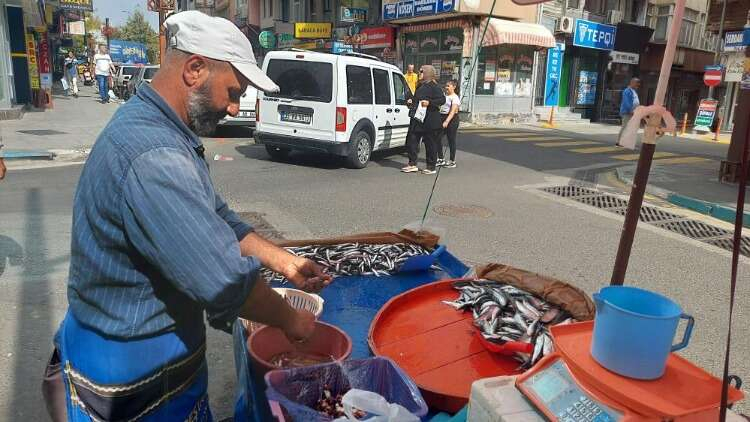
x=614, y=17
x=566, y=25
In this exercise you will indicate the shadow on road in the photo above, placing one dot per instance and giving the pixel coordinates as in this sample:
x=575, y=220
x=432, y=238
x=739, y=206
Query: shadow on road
x=318, y=160
x=10, y=253
x=34, y=330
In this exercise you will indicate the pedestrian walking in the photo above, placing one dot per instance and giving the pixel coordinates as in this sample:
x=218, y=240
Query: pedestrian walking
x=103, y=69
x=411, y=78
x=428, y=129
x=71, y=73
x=155, y=250
x=628, y=103
x=449, y=115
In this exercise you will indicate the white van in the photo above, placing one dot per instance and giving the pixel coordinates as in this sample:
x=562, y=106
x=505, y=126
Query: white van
x=347, y=105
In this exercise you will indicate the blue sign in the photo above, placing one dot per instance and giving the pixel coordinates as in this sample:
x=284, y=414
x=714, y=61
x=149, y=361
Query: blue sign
x=412, y=8
x=127, y=52
x=586, y=94
x=339, y=47
x=554, y=73
x=746, y=37
x=594, y=35
x=734, y=41
x=713, y=67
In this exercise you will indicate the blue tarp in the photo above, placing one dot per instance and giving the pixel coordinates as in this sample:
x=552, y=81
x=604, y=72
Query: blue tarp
x=127, y=52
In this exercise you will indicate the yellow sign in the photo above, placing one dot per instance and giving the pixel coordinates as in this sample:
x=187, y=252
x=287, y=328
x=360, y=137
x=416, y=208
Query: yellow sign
x=85, y=5
x=312, y=45
x=33, y=68
x=312, y=30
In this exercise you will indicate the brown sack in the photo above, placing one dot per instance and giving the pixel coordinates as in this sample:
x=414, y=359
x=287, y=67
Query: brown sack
x=568, y=297
x=422, y=238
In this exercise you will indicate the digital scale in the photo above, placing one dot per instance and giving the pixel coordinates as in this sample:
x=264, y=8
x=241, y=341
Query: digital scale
x=570, y=386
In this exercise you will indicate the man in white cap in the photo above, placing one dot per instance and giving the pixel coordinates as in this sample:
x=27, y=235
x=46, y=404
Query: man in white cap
x=155, y=248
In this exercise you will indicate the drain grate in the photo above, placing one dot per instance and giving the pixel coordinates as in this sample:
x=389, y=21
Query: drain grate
x=42, y=132
x=260, y=225
x=658, y=217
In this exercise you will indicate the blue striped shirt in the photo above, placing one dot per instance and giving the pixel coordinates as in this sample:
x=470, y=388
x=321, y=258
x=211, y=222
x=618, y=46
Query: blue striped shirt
x=153, y=244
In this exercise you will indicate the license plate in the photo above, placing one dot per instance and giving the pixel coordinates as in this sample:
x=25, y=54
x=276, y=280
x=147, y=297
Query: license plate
x=296, y=118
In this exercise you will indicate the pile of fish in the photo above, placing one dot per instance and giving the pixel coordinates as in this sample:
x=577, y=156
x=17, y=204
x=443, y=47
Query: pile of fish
x=505, y=313
x=354, y=258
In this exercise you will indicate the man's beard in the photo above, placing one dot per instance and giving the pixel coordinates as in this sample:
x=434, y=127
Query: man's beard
x=202, y=118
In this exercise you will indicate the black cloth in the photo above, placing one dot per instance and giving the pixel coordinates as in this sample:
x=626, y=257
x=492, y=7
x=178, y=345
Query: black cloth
x=450, y=132
x=431, y=92
x=430, y=139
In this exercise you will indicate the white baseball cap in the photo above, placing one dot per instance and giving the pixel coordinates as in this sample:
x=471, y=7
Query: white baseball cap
x=219, y=39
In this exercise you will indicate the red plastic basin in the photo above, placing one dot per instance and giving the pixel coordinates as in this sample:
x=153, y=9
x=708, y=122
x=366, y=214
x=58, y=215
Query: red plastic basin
x=267, y=342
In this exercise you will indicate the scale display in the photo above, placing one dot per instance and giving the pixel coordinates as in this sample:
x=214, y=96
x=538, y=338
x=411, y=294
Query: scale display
x=558, y=393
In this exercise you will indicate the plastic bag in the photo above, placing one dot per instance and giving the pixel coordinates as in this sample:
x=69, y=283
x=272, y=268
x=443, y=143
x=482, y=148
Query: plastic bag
x=299, y=389
x=421, y=113
x=377, y=408
x=64, y=84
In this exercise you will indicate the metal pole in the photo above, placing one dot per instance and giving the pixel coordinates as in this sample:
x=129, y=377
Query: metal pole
x=647, y=153
x=162, y=35
x=106, y=26
x=718, y=45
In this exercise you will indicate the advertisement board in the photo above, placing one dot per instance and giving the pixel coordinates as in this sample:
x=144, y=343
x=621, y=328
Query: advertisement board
x=590, y=34
x=554, y=72
x=706, y=113
x=304, y=30
x=412, y=8
x=127, y=52
x=85, y=5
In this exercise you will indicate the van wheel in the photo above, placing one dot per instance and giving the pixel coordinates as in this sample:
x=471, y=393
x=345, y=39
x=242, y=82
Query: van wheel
x=277, y=153
x=360, y=149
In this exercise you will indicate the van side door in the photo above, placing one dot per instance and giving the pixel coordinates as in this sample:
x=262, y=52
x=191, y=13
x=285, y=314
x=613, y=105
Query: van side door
x=401, y=119
x=383, y=109
x=358, y=97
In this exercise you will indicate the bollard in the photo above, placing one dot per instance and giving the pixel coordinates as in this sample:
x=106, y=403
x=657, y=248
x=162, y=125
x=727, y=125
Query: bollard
x=718, y=129
x=551, y=116
x=684, y=124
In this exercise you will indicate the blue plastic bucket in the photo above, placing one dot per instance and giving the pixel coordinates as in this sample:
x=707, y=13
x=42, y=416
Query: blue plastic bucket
x=634, y=330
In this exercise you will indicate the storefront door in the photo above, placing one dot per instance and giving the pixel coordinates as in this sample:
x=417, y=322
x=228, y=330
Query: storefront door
x=585, y=80
x=6, y=90
x=18, y=54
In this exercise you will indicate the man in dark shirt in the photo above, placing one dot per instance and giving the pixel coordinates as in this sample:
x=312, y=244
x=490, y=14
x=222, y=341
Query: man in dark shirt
x=155, y=247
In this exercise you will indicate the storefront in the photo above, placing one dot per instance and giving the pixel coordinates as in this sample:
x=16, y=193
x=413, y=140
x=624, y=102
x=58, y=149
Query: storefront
x=732, y=59
x=505, y=67
x=438, y=44
x=377, y=41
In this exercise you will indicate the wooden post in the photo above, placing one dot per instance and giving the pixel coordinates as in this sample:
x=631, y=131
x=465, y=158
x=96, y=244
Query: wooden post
x=684, y=124
x=552, y=116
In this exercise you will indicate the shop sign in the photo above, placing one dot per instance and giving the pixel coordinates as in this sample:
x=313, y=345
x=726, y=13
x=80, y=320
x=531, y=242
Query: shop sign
x=86, y=5
x=745, y=82
x=33, y=68
x=304, y=30
x=624, y=57
x=44, y=64
x=338, y=47
x=312, y=45
x=734, y=65
x=594, y=35
x=586, y=87
x=353, y=14
x=285, y=40
x=393, y=9
x=734, y=41
x=380, y=37
x=267, y=39
x=76, y=28
x=706, y=113
x=554, y=73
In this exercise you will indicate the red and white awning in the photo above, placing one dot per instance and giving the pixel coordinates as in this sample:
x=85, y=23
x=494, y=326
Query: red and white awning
x=501, y=31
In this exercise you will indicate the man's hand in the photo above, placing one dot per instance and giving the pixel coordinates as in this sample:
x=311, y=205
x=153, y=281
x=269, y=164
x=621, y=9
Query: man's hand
x=301, y=327
x=445, y=124
x=425, y=103
x=306, y=274
x=2, y=169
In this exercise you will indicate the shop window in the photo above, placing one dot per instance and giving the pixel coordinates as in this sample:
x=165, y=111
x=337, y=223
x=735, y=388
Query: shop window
x=382, y=87
x=429, y=41
x=452, y=40
x=505, y=71
x=399, y=88
x=358, y=85
x=524, y=70
x=411, y=43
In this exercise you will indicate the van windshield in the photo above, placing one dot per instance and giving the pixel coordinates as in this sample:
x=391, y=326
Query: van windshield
x=129, y=70
x=299, y=80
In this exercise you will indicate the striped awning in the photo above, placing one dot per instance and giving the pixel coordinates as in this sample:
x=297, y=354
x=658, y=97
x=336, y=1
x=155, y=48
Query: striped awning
x=501, y=31
x=435, y=26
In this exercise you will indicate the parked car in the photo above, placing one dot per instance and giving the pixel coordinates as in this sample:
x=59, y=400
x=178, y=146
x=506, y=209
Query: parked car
x=246, y=115
x=145, y=74
x=124, y=73
x=347, y=105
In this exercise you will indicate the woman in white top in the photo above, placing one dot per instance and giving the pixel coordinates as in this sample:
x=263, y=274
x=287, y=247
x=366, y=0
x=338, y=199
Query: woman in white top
x=449, y=113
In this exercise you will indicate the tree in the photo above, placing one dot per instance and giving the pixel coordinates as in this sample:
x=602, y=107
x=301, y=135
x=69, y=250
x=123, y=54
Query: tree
x=137, y=29
x=93, y=23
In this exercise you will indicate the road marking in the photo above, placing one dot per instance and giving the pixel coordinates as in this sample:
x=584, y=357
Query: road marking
x=567, y=144
x=595, y=150
x=537, y=139
x=682, y=160
x=633, y=157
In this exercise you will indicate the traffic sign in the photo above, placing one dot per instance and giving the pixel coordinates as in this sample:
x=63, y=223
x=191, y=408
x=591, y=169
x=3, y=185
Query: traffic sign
x=713, y=75
x=704, y=118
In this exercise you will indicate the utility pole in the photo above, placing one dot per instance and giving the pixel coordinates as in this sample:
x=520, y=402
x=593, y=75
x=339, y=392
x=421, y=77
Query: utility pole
x=162, y=34
x=108, y=31
x=719, y=44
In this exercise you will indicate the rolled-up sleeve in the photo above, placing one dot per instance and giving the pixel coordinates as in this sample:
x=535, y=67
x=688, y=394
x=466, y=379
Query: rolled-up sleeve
x=241, y=229
x=172, y=219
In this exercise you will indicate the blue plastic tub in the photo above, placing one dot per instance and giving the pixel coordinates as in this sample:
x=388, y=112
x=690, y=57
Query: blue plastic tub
x=297, y=390
x=634, y=330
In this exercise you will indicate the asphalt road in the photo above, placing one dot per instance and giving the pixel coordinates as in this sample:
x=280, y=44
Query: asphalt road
x=312, y=195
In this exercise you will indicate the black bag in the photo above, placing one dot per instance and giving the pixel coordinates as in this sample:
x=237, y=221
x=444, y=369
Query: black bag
x=53, y=389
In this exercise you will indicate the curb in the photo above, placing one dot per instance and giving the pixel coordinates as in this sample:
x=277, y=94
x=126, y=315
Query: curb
x=711, y=209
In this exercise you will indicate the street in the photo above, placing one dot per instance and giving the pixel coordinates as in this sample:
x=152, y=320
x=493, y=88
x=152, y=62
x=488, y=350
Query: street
x=489, y=209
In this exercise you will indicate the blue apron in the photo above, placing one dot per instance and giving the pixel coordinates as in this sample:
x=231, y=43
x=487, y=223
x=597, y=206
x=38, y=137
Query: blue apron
x=112, y=362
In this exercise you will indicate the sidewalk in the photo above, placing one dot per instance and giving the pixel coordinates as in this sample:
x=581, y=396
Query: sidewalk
x=68, y=130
